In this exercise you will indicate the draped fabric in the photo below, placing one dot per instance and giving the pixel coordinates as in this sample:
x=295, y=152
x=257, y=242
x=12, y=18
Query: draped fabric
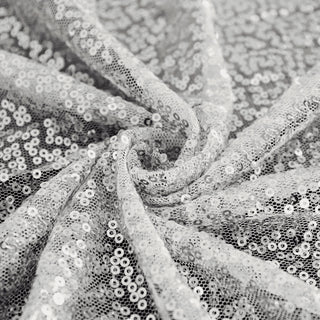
x=159, y=159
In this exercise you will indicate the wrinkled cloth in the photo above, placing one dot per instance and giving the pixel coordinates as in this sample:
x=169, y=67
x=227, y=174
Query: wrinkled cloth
x=159, y=159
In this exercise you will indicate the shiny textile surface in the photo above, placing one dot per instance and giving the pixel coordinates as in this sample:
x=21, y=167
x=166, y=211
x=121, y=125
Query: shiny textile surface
x=159, y=159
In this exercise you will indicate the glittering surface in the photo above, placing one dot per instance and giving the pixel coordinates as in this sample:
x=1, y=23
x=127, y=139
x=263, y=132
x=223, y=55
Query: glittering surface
x=159, y=159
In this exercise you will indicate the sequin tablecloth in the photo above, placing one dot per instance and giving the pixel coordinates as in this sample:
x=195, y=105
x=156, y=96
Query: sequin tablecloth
x=159, y=159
